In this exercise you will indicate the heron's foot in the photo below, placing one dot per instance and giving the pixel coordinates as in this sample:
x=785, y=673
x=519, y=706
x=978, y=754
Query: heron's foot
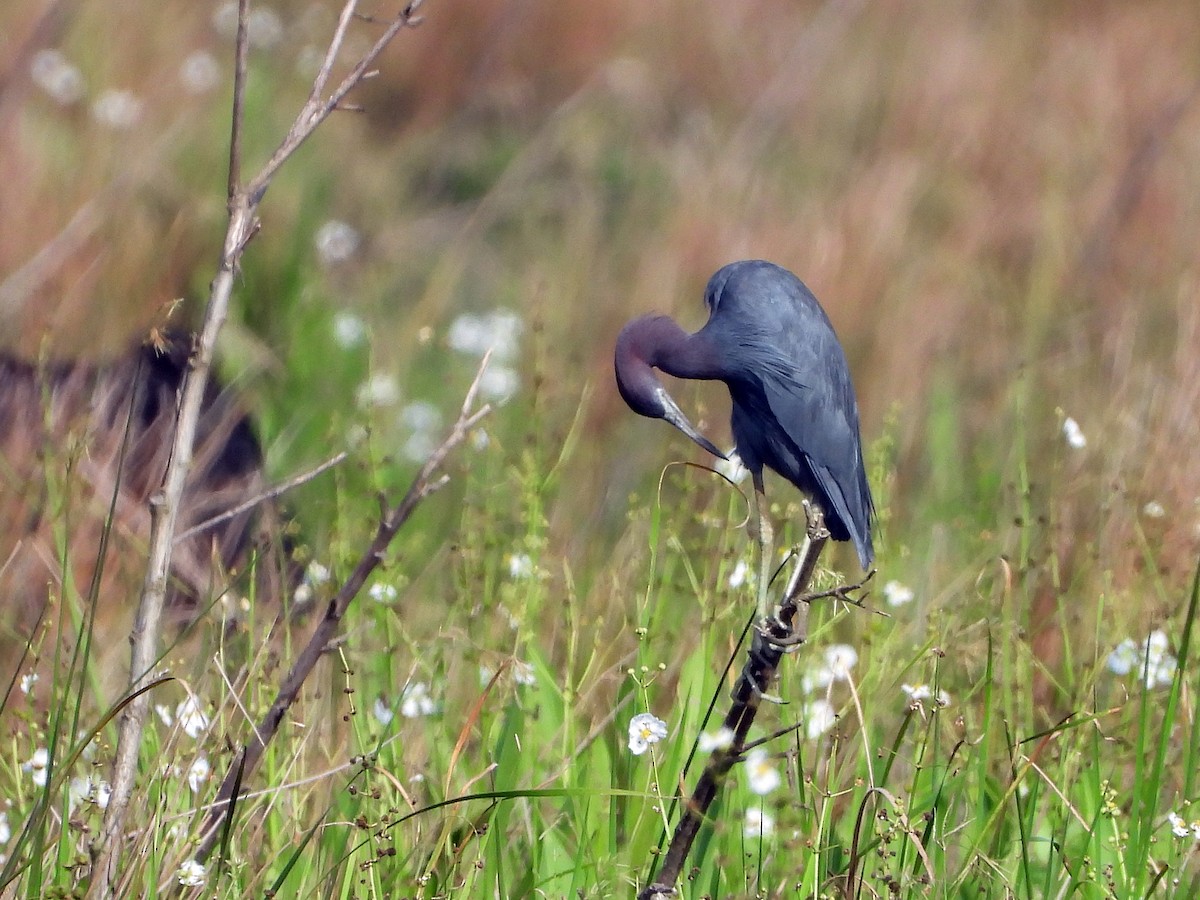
x=777, y=634
x=814, y=519
x=771, y=698
x=845, y=593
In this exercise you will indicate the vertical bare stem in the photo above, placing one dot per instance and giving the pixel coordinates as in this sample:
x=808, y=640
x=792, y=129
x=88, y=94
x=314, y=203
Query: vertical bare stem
x=241, y=56
x=762, y=663
x=164, y=505
x=164, y=508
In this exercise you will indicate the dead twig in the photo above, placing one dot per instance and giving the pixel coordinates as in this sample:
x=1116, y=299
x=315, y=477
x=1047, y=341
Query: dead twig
x=390, y=523
x=270, y=494
x=762, y=662
x=164, y=504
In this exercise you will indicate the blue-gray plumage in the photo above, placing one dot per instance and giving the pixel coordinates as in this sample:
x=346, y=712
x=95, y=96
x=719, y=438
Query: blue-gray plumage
x=794, y=408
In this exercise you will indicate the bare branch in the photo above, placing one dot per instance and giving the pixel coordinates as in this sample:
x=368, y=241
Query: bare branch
x=762, y=663
x=164, y=504
x=241, y=54
x=335, y=46
x=426, y=482
x=270, y=494
x=317, y=111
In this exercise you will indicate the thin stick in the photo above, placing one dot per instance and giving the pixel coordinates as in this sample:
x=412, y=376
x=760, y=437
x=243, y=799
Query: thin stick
x=164, y=503
x=240, y=64
x=390, y=524
x=269, y=494
x=762, y=663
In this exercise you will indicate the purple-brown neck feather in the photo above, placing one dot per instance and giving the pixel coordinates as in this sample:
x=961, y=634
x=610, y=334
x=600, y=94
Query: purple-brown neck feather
x=659, y=342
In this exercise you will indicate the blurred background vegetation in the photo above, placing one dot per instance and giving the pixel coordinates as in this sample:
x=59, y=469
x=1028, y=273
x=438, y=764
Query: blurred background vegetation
x=997, y=203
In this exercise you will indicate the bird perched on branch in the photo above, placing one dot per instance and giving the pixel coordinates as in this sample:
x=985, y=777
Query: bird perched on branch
x=794, y=408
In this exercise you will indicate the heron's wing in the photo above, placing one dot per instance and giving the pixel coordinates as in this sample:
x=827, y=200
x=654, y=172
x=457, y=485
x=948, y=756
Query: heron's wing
x=820, y=422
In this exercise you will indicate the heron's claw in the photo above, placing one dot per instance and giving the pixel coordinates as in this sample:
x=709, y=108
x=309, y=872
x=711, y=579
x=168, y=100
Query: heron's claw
x=771, y=698
x=779, y=635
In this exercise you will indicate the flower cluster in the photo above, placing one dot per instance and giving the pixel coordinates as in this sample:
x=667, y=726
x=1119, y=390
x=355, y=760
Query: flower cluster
x=498, y=331
x=315, y=575
x=921, y=697
x=1151, y=659
x=1181, y=828
x=416, y=702
x=897, y=594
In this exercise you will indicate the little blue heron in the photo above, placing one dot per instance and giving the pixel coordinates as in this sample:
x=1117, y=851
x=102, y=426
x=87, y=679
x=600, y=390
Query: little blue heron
x=794, y=408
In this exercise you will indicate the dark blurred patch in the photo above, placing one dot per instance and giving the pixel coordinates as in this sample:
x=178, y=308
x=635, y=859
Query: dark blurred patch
x=62, y=426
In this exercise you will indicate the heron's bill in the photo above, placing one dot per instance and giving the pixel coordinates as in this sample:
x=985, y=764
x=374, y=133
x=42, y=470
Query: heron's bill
x=673, y=414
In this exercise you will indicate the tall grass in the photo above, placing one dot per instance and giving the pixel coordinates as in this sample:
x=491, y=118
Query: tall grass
x=941, y=178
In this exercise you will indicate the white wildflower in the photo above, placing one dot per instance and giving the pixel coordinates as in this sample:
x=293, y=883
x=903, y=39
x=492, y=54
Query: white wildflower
x=37, y=766
x=336, y=242
x=645, y=729
x=316, y=573
x=840, y=659
x=897, y=594
x=741, y=574
x=382, y=712
x=381, y=389
x=191, y=717
x=199, y=72
x=416, y=702
x=523, y=673
x=5, y=830
x=57, y=76
x=28, y=680
x=1179, y=827
x=816, y=679
x=498, y=331
x=480, y=439
x=1154, y=510
x=90, y=790
x=819, y=717
x=117, y=109
x=758, y=824
x=761, y=774
x=422, y=420
x=264, y=28
x=499, y=382
x=198, y=773
x=192, y=873
x=1074, y=434
x=348, y=329
x=1153, y=658
x=382, y=593
x=164, y=714
x=520, y=566
x=225, y=19
x=1123, y=658
x=922, y=696
x=721, y=740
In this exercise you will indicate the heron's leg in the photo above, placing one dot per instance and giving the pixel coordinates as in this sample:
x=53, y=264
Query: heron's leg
x=763, y=533
x=781, y=636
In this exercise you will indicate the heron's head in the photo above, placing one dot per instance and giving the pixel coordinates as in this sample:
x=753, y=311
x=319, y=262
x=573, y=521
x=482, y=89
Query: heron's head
x=642, y=345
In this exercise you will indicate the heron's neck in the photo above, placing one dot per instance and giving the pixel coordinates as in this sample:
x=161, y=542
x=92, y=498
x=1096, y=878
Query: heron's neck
x=681, y=354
